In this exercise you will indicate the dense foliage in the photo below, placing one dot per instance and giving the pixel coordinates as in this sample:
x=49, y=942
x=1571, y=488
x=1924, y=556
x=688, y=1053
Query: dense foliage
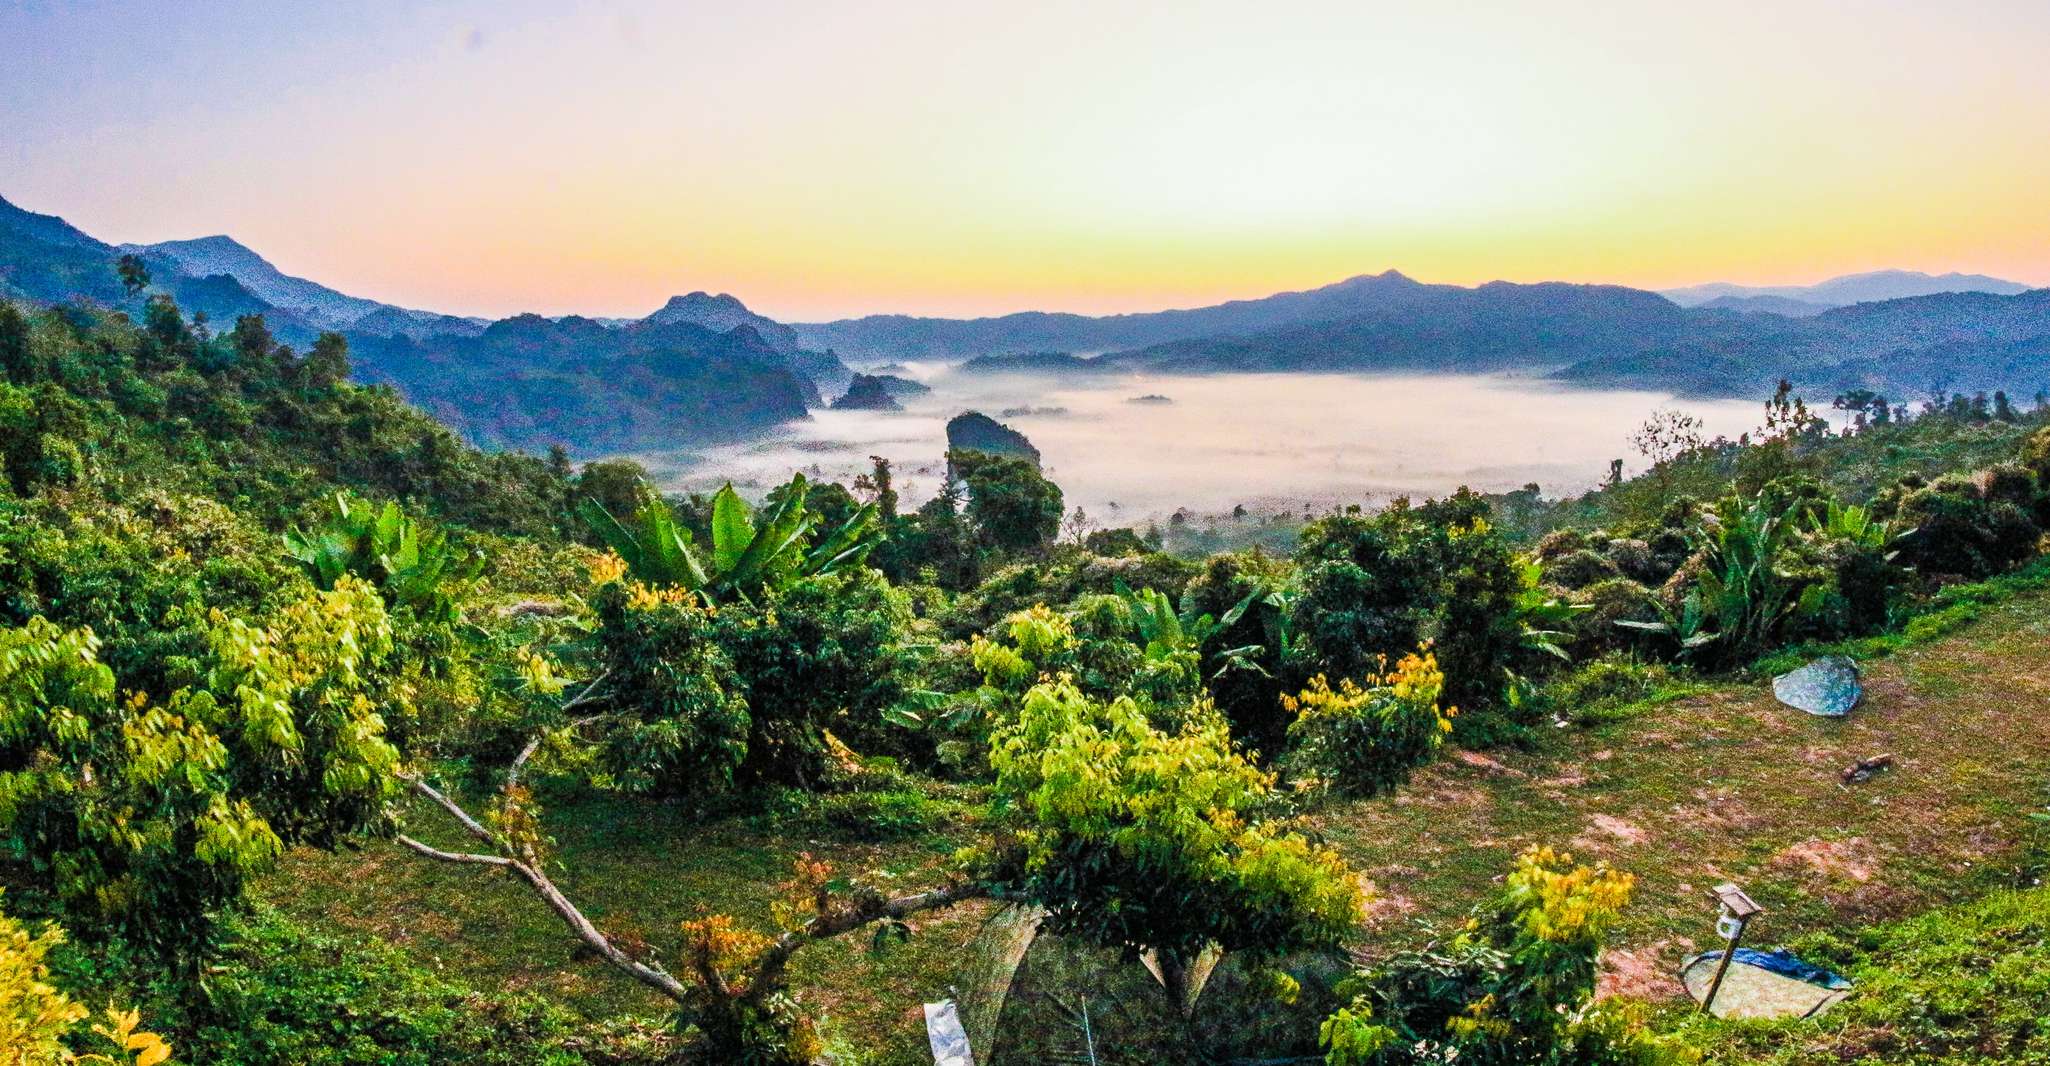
x=246, y=606
x=1514, y=987
x=148, y=815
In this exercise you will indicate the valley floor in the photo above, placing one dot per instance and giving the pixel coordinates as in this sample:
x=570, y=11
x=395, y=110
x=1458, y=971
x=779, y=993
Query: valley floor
x=1726, y=785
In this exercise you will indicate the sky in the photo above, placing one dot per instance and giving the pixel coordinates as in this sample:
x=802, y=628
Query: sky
x=824, y=160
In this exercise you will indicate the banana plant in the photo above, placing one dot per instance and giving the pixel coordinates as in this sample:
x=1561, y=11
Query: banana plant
x=409, y=568
x=1163, y=631
x=1855, y=525
x=1741, y=591
x=1541, y=616
x=750, y=553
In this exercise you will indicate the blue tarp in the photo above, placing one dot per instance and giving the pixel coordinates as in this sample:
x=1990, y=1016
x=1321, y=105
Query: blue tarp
x=1780, y=962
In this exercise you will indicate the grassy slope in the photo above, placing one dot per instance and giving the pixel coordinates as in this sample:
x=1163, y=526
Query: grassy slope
x=1732, y=785
x=637, y=869
x=1724, y=785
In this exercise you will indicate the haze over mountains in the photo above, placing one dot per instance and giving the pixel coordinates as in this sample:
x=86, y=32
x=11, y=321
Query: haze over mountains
x=706, y=368
x=1838, y=292
x=316, y=303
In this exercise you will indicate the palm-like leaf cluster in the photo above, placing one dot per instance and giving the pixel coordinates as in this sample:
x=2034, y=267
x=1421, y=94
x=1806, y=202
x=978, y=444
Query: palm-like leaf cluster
x=410, y=567
x=1742, y=596
x=750, y=553
x=1853, y=525
x=1543, y=619
x=1163, y=631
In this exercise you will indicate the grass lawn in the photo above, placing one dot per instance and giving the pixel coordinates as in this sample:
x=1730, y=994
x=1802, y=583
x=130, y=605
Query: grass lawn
x=1726, y=785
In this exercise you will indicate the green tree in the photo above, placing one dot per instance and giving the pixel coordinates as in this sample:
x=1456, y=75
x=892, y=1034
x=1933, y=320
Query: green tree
x=327, y=364
x=15, y=362
x=1359, y=740
x=1014, y=508
x=880, y=487
x=1147, y=841
x=133, y=273
x=1370, y=586
x=147, y=817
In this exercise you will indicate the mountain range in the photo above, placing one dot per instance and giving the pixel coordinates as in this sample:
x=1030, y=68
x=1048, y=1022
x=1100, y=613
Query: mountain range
x=1839, y=291
x=313, y=302
x=705, y=368
x=700, y=370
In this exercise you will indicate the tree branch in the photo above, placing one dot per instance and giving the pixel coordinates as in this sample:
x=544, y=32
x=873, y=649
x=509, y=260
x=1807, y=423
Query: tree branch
x=453, y=856
x=519, y=763
x=653, y=976
x=474, y=827
x=585, y=697
x=768, y=974
x=835, y=918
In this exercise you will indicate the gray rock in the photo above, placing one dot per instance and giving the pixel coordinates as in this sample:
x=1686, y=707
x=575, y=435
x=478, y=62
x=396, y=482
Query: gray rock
x=1828, y=687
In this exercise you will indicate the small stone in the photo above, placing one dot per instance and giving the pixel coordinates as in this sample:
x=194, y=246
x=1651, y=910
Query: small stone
x=1827, y=687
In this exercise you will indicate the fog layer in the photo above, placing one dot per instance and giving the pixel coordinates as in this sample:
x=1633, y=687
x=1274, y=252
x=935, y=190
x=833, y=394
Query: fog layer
x=1265, y=441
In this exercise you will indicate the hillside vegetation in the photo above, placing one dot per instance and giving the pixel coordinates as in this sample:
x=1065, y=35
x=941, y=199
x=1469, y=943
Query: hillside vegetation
x=326, y=737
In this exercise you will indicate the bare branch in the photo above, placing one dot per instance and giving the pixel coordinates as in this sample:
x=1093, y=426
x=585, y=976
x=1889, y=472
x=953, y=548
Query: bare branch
x=453, y=856
x=862, y=911
x=585, y=697
x=837, y=917
x=475, y=828
x=653, y=976
x=519, y=763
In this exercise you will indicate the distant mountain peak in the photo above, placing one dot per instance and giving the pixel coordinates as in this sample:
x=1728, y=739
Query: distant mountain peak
x=1386, y=277
x=1866, y=287
x=48, y=228
x=701, y=298
x=723, y=313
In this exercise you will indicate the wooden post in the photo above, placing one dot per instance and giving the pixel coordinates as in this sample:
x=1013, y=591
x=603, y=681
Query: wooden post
x=1738, y=910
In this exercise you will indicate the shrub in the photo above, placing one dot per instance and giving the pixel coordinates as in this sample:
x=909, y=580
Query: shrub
x=1361, y=741
x=1605, y=689
x=683, y=725
x=2035, y=455
x=1577, y=570
x=1515, y=986
x=1245, y=685
x=40, y=1024
x=1370, y=586
x=822, y=653
x=867, y=814
x=1480, y=630
x=1953, y=528
x=1635, y=560
x=147, y=817
x=1559, y=544
x=143, y=577
x=1124, y=541
x=1134, y=838
x=1596, y=630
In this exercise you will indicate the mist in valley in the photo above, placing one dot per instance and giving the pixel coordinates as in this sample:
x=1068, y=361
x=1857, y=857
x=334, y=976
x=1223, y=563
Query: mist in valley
x=1268, y=442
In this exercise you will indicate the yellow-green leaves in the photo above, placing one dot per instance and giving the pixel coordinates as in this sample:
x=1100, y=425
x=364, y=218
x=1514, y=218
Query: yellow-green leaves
x=148, y=814
x=38, y=1021
x=1137, y=837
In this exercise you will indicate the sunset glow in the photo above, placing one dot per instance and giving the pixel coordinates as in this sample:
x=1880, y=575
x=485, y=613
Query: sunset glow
x=830, y=160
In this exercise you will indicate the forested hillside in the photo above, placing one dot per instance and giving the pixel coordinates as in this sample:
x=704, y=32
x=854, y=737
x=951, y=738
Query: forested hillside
x=524, y=382
x=326, y=737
